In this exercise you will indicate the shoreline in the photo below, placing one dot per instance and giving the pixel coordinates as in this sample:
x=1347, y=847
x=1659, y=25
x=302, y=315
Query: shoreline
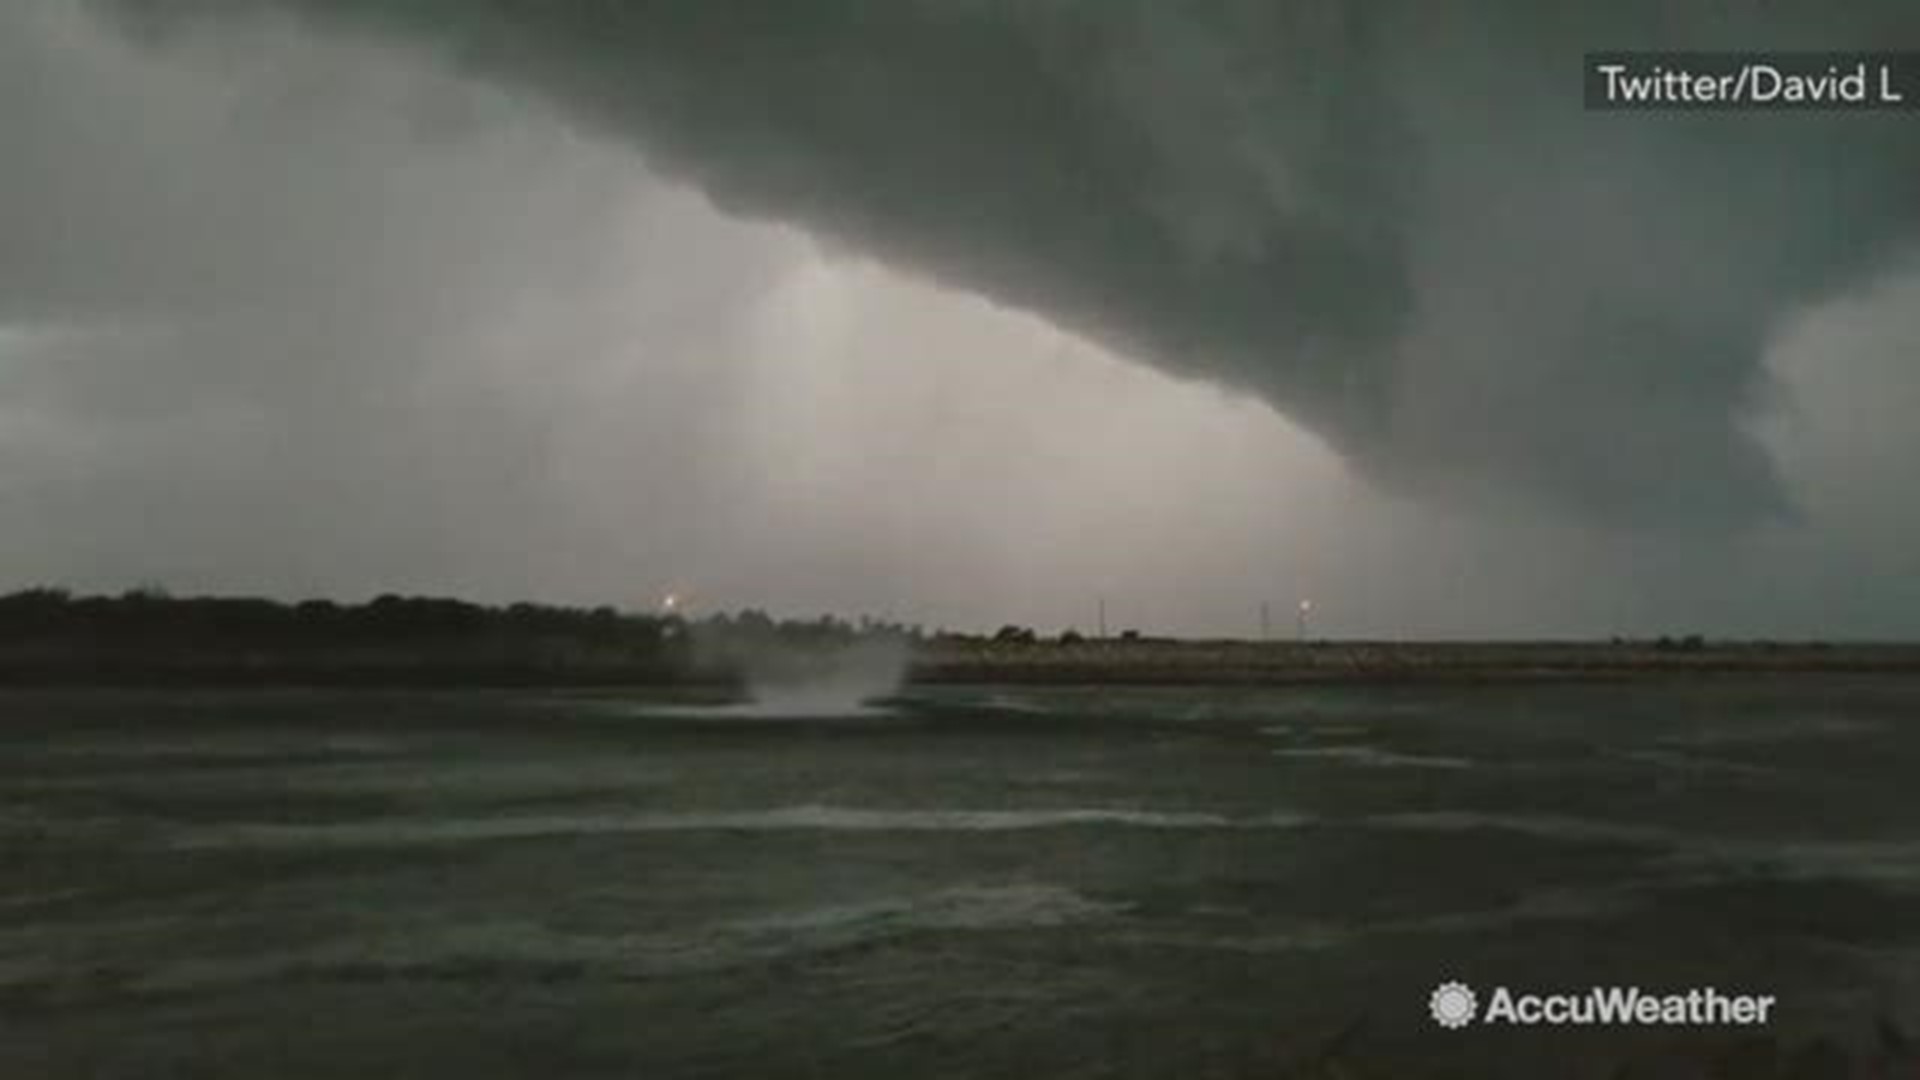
x=1145, y=663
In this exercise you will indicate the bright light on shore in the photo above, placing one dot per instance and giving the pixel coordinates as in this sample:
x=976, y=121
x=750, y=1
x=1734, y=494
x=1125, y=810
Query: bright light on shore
x=670, y=602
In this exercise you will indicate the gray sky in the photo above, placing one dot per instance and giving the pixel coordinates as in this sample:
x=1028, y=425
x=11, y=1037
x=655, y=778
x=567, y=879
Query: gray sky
x=961, y=313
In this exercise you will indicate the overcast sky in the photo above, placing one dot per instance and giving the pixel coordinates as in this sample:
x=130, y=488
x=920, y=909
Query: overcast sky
x=960, y=313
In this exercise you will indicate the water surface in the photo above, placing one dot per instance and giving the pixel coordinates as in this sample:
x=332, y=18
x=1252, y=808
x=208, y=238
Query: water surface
x=987, y=882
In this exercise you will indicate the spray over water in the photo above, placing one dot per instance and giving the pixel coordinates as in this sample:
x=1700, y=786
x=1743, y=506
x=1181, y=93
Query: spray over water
x=858, y=678
x=816, y=680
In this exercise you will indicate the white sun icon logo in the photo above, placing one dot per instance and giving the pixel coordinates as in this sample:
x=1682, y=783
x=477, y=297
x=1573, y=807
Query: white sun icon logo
x=1452, y=1005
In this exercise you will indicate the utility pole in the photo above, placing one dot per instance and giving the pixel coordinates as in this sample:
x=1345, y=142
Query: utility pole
x=1103, y=617
x=1306, y=608
x=1266, y=622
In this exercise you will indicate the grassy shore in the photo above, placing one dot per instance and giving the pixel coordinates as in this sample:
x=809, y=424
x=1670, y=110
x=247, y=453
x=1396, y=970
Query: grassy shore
x=977, y=660
x=1174, y=662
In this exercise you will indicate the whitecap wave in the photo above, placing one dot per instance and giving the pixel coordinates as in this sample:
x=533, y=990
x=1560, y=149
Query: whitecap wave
x=1789, y=729
x=499, y=950
x=1374, y=757
x=406, y=831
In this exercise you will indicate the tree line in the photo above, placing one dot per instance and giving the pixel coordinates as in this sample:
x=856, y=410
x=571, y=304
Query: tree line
x=52, y=626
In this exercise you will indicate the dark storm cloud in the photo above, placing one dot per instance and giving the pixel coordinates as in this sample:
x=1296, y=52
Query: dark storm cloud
x=274, y=314
x=1393, y=221
x=337, y=305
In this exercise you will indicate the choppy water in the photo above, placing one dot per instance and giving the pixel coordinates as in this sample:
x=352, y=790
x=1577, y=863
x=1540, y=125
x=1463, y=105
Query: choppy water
x=967, y=882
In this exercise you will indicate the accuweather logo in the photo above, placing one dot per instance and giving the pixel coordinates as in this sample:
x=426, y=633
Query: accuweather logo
x=1454, y=1005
